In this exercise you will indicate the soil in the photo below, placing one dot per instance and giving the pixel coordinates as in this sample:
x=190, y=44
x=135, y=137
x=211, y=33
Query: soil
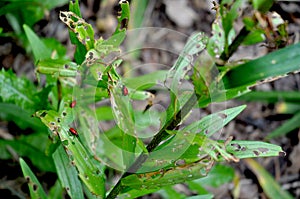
x=160, y=47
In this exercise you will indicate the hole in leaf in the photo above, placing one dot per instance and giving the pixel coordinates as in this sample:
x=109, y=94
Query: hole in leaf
x=72, y=25
x=43, y=114
x=124, y=23
x=263, y=150
x=27, y=179
x=282, y=154
x=62, y=15
x=34, y=187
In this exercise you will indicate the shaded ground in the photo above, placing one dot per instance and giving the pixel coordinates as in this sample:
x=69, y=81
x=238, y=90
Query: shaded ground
x=253, y=124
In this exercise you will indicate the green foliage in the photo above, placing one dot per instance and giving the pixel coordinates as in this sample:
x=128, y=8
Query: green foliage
x=35, y=188
x=267, y=182
x=70, y=105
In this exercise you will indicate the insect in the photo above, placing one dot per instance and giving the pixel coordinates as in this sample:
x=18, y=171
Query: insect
x=73, y=104
x=124, y=90
x=73, y=131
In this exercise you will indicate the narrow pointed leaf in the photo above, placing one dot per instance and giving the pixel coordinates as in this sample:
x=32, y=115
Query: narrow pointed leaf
x=271, y=188
x=270, y=66
x=67, y=173
x=251, y=149
x=35, y=187
x=39, y=49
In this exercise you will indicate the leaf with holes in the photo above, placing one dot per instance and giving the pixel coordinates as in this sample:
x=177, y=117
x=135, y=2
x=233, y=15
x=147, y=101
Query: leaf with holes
x=57, y=67
x=83, y=30
x=252, y=149
x=35, y=187
x=185, y=143
x=67, y=173
x=90, y=171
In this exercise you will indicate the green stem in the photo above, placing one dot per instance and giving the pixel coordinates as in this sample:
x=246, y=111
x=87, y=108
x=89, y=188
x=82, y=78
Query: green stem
x=160, y=136
x=235, y=44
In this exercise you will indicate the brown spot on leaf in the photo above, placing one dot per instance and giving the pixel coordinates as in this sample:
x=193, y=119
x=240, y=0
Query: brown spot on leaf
x=27, y=179
x=256, y=153
x=180, y=162
x=222, y=115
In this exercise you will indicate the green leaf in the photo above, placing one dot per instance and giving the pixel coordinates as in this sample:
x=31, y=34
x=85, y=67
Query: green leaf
x=229, y=12
x=271, y=188
x=214, y=122
x=167, y=177
x=12, y=112
x=104, y=113
x=83, y=30
x=90, y=171
x=185, y=144
x=35, y=188
x=146, y=81
x=39, y=49
x=133, y=193
x=252, y=149
x=274, y=64
x=67, y=174
x=29, y=146
x=272, y=96
x=195, y=44
x=286, y=127
x=80, y=51
x=123, y=17
x=218, y=175
x=254, y=37
x=56, y=191
x=57, y=67
x=169, y=192
x=22, y=12
x=19, y=91
x=50, y=4
x=262, y=5
x=205, y=196
x=58, y=48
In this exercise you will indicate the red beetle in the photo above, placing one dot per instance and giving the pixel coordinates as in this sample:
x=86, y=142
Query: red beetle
x=73, y=131
x=124, y=90
x=73, y=104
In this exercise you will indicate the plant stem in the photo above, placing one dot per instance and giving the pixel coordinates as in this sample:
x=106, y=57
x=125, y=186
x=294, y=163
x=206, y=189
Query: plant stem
x=235, y=44
x=160, y=136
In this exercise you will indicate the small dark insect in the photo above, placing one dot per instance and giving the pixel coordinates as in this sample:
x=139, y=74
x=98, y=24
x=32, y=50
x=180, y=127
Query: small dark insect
x=73, y=131
x=124, y=90
x=73, y=104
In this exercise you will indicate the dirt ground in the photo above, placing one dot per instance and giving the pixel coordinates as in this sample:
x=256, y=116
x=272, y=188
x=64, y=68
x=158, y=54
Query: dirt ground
x=184, y=18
